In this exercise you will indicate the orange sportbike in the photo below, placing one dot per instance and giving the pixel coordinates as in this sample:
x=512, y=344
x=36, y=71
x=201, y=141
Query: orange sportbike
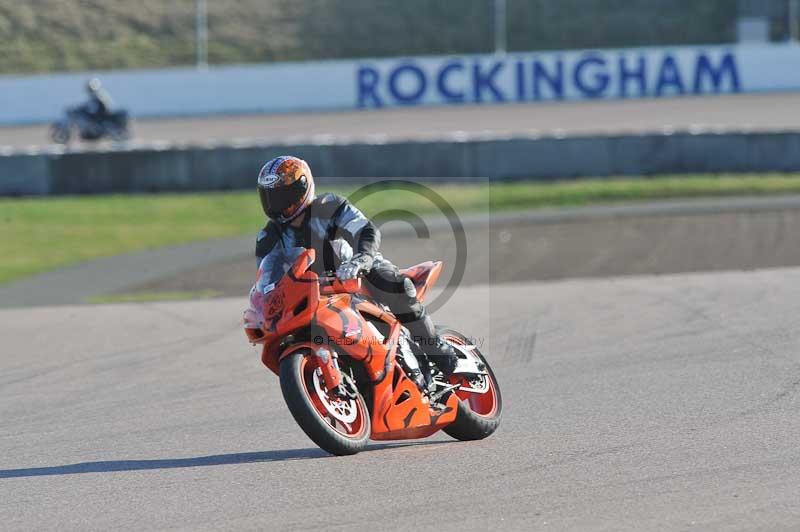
x=350, y=372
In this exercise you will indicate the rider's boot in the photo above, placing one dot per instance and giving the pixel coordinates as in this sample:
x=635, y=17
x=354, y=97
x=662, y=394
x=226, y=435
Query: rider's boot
x=440, y=352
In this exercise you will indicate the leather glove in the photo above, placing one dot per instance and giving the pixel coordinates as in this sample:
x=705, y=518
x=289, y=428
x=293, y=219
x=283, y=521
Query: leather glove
x=360, y=262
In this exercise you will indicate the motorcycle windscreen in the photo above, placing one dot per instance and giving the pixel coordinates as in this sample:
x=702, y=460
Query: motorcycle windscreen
x=271, y=270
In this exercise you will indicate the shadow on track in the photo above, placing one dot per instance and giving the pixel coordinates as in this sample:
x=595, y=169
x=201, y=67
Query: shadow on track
x=112, y=466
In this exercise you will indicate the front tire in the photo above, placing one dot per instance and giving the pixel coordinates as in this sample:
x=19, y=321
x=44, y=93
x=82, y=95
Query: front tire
x=337, y=426
x=478, y=415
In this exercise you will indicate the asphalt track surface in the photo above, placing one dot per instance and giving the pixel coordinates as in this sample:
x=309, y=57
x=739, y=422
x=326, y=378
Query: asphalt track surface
x=650, y=403
x=758, y=112
x=639, y=403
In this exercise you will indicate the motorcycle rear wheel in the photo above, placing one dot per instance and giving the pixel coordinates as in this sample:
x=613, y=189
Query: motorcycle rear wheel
x=60, y=134
x=478, y=416
x=338, y=426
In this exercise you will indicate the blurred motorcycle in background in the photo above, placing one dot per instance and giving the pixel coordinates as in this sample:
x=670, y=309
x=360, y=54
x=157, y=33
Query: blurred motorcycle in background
x=78, y=120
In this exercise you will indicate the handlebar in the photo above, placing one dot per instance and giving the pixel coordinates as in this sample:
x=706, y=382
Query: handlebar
x=330, y=284
x=330, y=276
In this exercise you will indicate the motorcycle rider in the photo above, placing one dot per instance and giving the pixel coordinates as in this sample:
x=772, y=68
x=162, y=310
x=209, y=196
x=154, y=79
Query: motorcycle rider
x=339, y=232
x=96, y=111
x=98, y=108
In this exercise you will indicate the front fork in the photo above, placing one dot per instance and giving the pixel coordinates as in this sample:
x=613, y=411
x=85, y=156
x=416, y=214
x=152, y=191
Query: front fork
x=338, y=382
x=327, y=361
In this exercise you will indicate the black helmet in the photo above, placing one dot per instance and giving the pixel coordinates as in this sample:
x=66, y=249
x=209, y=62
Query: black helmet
x=286, y=188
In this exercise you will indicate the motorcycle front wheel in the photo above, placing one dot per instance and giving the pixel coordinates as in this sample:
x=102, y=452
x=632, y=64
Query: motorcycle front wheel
x=339, y=426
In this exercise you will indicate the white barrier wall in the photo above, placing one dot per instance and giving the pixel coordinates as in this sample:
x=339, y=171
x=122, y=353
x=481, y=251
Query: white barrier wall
x=449, y=80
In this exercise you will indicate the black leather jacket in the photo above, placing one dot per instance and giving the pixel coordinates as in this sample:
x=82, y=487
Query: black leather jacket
x=332, y=226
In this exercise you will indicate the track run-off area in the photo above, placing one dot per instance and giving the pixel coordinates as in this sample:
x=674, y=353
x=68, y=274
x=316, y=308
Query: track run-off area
x=640, y=403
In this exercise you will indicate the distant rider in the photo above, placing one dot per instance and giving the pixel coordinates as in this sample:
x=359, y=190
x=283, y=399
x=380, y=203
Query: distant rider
x=98, y=108
x=344, y=241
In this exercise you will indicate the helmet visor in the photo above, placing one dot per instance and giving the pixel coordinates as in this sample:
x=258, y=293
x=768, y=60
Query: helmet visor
x=281, y=201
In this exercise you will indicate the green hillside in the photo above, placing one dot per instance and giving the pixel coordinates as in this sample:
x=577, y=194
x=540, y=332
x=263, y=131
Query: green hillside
x=48, y=35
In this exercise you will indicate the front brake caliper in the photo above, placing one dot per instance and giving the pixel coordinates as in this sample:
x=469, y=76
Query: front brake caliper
x=329, y=366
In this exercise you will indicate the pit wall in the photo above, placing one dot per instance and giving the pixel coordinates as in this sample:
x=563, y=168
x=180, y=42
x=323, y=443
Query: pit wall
x=426, y=80
x=201, y=168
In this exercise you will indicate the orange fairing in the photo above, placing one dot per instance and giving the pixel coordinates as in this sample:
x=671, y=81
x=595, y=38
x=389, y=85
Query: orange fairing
x=331, y=320
x=400, y=411
x=424, y=276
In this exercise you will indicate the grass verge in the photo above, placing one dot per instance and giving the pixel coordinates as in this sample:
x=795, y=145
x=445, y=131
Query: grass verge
x=40, y=234
x=149, y=297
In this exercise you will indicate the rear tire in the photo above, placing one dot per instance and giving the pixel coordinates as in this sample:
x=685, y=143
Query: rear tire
x=60, y=133
x=296, y=373
x=470, y=425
